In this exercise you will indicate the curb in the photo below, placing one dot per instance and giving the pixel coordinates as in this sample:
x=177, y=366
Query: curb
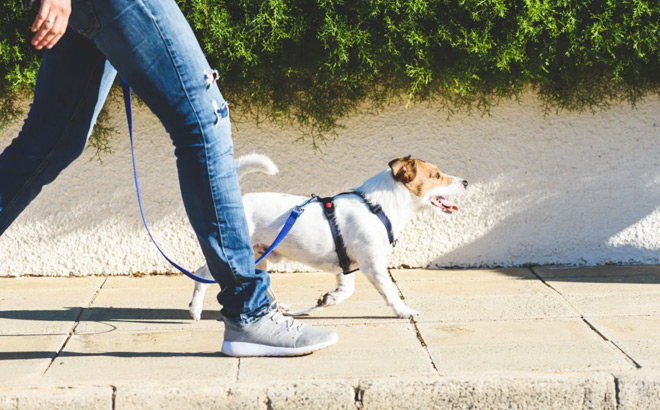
x=627, y=390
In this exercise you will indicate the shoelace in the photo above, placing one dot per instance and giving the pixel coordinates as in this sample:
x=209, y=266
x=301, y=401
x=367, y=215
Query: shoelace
x=290, y=323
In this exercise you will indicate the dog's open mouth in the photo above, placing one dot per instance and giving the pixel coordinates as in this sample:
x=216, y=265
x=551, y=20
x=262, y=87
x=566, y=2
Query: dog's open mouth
x=445, y=205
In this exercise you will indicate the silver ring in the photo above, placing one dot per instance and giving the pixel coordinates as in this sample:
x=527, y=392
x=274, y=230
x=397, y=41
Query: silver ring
x=49, y=21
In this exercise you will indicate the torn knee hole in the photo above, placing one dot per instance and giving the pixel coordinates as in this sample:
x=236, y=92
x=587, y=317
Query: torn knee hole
x=210, y=77
x=221, y=111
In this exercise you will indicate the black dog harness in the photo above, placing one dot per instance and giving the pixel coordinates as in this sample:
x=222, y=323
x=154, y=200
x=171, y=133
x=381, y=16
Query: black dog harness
x=329, y=211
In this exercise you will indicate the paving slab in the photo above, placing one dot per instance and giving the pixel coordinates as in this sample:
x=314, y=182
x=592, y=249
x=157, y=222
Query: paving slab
x=367, y=350
x=126, y=356
x=638, y=336
x=149, y=282
x=493, y=287
x=608, y=290
x=26, y=357
x=491, y=308
x=51, y=283
x=618, y=305
x=146, y=309
x=525, y=345
x=487, y=295
x=147, y=303
x=43, y=305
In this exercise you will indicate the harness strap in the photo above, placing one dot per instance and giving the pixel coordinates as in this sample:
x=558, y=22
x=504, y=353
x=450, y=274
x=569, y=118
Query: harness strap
x=340, y=247
x=378, y=211
x=329, y=211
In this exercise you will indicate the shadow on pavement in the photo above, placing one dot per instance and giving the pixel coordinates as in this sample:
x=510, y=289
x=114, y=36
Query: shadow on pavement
x=95, y=314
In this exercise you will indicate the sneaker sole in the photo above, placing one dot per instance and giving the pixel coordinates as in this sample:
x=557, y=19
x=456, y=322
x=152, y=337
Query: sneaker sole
x=242, y=349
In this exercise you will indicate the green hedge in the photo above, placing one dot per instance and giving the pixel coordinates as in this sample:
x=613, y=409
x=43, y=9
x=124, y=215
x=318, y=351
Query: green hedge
x=314, y=62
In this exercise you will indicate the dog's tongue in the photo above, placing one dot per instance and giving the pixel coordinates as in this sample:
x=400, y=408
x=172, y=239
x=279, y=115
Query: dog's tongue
x=447, y=204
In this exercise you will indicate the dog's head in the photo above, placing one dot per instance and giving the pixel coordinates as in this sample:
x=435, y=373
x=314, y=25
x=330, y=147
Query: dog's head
x=428, y=183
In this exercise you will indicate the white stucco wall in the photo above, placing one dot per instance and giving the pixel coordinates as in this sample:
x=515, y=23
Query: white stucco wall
x=562, y=189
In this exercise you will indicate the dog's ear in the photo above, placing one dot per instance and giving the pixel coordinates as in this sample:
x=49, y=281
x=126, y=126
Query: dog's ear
x=403, y=169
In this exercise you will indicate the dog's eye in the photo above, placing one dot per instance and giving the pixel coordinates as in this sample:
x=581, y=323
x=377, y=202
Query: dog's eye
x=437, y=176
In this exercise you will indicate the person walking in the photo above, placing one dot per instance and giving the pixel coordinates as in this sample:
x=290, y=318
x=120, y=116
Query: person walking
x=151, y=45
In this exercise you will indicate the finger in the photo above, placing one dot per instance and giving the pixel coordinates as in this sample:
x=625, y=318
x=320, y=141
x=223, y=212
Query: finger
x=50, y=35
x=51, y=31
x=41, y=17
x=45, y=29
x=59, y=30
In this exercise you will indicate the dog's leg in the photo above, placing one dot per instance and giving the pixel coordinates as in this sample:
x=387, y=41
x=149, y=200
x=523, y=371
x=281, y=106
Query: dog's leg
x=380, y=278
x=345, y=288
x=197, y=303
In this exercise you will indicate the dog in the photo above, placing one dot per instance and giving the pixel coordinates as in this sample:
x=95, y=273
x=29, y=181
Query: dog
x=403, y=189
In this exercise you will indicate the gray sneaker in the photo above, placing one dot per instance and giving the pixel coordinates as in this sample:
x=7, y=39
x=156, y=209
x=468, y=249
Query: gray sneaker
x=275, y=335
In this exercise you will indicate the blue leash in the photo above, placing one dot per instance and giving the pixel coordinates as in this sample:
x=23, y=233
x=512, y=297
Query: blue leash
x=293, y=217
x=295, y=212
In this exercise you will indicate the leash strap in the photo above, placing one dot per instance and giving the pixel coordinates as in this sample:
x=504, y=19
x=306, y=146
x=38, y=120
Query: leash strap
x=295, y=212
x=126, y=89
x=293, y=217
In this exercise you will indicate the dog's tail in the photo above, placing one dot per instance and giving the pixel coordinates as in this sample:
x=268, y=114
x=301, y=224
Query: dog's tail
x=251, y=163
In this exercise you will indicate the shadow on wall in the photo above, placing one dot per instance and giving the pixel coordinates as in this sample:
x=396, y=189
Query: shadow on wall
x=583, y=190
x=584, y=224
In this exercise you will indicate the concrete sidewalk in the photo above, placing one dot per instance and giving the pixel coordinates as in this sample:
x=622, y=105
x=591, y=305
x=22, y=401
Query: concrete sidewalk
x=583, y=338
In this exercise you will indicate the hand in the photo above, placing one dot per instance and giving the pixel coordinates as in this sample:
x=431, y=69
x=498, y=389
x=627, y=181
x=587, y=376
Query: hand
x=51, y=23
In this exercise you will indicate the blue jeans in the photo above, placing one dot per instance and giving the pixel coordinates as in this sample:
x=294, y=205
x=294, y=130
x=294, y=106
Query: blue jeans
x=154, y=49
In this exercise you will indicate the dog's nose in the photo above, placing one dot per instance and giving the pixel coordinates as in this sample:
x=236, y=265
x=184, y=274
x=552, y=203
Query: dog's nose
x=465, y=183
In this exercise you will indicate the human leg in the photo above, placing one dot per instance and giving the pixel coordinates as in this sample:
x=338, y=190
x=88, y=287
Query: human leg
x=73, y=82
x=154, y=49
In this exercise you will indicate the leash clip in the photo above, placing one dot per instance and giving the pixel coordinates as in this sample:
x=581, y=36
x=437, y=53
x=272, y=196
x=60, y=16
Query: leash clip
x=298, y=209
x=301, y=208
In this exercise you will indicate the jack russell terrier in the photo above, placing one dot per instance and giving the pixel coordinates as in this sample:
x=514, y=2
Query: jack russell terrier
x=400, y=191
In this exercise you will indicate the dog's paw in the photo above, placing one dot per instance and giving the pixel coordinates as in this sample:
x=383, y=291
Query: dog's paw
x=328, y=299
x=406, y=313
x=195, y=311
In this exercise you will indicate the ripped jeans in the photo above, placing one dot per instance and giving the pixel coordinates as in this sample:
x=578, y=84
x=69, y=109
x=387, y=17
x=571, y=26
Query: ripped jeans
x=151, y=45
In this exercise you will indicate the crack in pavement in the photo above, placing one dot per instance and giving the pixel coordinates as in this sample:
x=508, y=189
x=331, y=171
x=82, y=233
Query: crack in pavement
x=75, y=325
x=591, y=326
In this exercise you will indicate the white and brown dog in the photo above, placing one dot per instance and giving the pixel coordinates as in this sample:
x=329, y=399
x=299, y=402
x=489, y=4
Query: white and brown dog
x=405, y=188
